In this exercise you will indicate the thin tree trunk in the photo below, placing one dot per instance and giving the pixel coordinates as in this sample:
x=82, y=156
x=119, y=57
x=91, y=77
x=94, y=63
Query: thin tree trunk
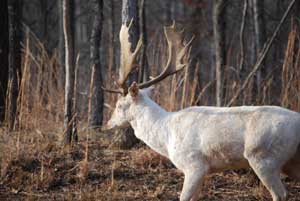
x=112, y=52
x=259, y=38
x=44, y=21
x=242, y=40
x=130, y=12
x=70, y=71
x=241, y=69
x=15, y=34
x=144, y=67
x=173, y=10
x=219, y=26
x=297, y=14
x=168, y=13
x=97, y=96
x=74, y=121
x=4, y=48
x=61, y=45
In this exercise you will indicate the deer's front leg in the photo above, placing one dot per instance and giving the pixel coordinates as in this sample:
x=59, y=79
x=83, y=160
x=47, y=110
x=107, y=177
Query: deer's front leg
x=192, y=183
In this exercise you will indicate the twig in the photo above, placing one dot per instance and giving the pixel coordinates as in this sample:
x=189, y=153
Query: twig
x=70, y=124
x=32, y=194
x=262, y=55
x=203, y=91
x=111, y=90
x=74, y=126
x=91, y=94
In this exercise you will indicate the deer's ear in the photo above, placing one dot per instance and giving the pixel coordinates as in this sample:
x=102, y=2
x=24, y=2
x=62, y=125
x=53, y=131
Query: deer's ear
x=134, y=90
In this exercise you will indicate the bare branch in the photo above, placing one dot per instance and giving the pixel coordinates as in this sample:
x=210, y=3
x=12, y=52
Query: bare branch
x=263, y=54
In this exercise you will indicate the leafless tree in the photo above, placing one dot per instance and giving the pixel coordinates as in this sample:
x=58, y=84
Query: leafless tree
x=14, y=71
x=144, y=67
x=70, y=70
x=219, y=25
x=61, y=44
x=112, y=50
x=167, y=17
x=260, y=38
x=4, y=47
x=97, y=97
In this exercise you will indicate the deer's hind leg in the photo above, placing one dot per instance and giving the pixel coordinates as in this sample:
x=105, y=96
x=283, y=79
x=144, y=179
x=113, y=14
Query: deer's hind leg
x=268, y=171
x=292, y=167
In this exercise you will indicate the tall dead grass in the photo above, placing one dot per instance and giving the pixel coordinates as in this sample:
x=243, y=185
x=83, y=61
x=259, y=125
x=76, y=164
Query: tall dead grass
x=290, y=89
x=40, y=100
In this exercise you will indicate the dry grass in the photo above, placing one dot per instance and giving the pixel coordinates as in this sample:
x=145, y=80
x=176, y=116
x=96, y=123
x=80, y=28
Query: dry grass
x=44, y=171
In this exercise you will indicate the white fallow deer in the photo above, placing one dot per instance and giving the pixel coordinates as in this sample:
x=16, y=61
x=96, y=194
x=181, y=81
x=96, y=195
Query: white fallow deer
x=203, y=140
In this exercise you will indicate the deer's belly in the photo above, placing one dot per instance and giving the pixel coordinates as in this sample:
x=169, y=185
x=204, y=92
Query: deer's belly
x=225, y=156
x=215, y=158
x=221, y=164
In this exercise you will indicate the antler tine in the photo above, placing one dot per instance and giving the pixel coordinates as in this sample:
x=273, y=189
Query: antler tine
x=127, y=57
x=177, y=49
x=115, y=91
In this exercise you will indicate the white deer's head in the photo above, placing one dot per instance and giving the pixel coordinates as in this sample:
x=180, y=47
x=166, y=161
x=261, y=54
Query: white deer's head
x=126, y=109
x=122, y=113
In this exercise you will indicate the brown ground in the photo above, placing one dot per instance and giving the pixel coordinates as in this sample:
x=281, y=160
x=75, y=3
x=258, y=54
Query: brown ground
x=34, y=169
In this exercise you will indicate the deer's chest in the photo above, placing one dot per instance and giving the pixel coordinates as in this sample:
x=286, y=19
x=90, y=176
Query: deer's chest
x=154, y=139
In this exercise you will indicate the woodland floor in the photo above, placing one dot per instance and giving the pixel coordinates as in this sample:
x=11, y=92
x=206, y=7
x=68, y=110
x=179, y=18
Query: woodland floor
x=32, y=169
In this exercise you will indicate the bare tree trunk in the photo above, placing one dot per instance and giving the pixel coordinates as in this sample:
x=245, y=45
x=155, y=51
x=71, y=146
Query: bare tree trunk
x=112, y=52
x=14, y=71
x=61, y=45
x=219, y=24
x=144, y=67
x=4, y=48
x=42, y=30
x=168, y=12
x=297, y=14
x=241, y=69
x=70, y=71
x=260, y=38
x=130, y=12
x=44, y=21
x=97, y=96
x=173, y=10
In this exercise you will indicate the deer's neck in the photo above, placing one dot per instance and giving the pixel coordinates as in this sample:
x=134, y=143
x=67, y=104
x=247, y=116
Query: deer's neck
x=149, y=125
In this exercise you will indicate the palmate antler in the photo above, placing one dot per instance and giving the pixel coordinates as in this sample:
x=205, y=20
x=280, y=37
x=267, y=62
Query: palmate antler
x=128, y=58
x=178, y=49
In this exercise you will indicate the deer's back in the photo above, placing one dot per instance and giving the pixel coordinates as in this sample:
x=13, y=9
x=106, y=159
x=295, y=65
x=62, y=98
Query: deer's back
x=222, y=135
